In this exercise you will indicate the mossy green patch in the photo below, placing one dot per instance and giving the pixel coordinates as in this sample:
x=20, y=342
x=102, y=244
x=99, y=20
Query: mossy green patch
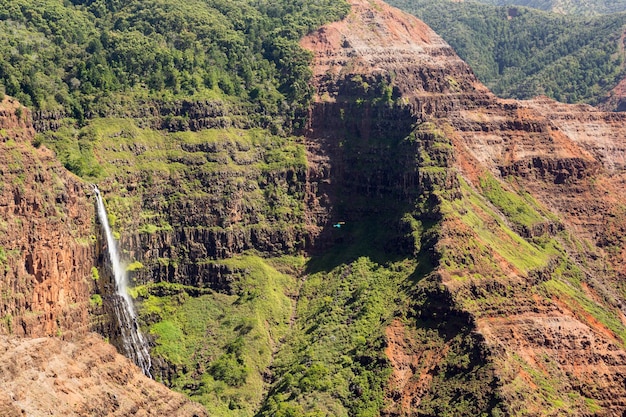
x=134, y=266
x=251, y=175
x=95, y=300
x=494, y=233
x=219, y=345
x=522, y=209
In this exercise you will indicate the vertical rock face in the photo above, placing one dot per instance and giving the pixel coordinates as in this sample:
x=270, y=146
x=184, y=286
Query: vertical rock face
x=397, y=115
x=46, y=253
x=377, y=74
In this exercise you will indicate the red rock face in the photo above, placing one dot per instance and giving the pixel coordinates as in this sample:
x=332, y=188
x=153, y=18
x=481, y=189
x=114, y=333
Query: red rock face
x=570, y=158
x=380, y=42
x=46, y=253
x=80, y=378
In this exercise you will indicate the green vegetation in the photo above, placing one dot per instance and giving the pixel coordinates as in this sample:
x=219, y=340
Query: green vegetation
x=332, y=362
x=583, y=7
x=134, y=266
x=566, y=284
x=521, y=53
x=95, y=275
x=7, y=321
x=95, y=300
x=521, y=210
x=253, y=170
x=282, y=338
x=486, y=232
x=219, y=345
x=272, y=333
x=550, y=393
x=483, y=259
x=87, y=57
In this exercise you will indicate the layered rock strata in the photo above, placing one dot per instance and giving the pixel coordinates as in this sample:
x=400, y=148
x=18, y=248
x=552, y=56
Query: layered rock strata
x=46, y=250
x=379, y=74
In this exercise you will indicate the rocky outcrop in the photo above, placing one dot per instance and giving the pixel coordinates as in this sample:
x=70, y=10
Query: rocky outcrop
x=46, y=250
x=379, y=74
x=48, y=376
x=212, y=212
x=48, y=255
x=172, y=116
x=380, y=47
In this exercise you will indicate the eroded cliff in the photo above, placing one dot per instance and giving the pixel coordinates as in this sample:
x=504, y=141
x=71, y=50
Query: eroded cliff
x=528, y=199
x=47, y=376
x=48, y=275
x=46, y=250
x=426, y=248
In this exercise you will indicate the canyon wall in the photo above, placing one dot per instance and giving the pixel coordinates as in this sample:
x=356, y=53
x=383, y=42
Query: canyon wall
x=510, y=213
x=46, y=236
x=529, y=197
x=51, y=264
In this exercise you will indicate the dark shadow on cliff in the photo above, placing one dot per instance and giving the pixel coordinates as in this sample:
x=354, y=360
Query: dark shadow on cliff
x=368, y=180
x=378, y=238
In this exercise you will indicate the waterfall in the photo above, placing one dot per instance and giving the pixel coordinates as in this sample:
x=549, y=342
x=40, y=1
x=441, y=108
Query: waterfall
x=134, y=345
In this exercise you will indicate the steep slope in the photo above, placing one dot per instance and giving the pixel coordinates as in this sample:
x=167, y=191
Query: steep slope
x=572, y=299
x=425, y=249
x=46, y=253
x=48, y=259
x=528, y=198
x=47, y=376
x=520, y=52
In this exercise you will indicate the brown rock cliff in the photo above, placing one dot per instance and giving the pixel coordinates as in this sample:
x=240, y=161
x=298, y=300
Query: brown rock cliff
x=47, y=376
x=46, y=253
x=380, y=73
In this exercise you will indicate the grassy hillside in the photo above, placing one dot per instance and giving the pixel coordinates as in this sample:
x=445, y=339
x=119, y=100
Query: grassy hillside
x=249, y=308
x=521, y=52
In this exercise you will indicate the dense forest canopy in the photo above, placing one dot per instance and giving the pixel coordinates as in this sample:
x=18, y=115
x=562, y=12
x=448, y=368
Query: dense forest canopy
x=86, y=56
x=520, y=52
x=583, y=7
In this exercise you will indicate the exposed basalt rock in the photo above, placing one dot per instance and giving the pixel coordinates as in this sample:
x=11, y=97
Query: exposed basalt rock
x=574, y=165
x=380, y=77
x=378, y=74
x=225, y=197
x=46, y=250
x=174, y=116
x=47, y=120
x=79, y=378
x=424, y=350
x=559, y=171
x=189, y=254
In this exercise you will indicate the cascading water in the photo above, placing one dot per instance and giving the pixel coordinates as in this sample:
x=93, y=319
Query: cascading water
x=134, y=345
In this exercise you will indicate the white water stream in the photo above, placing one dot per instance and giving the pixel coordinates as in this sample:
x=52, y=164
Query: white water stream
x=133, y=342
